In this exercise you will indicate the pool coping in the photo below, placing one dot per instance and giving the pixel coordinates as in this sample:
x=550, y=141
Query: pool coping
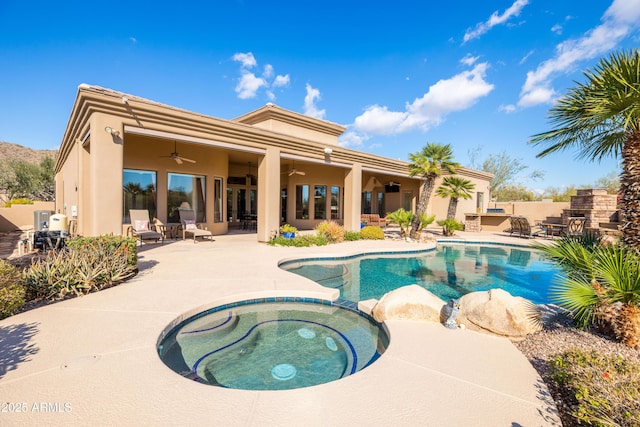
x=98, y=354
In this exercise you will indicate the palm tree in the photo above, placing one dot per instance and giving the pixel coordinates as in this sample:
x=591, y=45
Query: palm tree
x=601, y=118
x=455, y=188
x=429, y=164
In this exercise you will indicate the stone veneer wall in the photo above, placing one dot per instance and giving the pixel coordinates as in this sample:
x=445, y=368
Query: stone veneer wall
x=595, y=205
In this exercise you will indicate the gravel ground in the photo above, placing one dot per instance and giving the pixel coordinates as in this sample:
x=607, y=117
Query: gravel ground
x=558, y=336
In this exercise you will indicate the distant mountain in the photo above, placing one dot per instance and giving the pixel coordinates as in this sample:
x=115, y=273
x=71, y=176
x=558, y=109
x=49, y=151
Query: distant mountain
x=9, y=151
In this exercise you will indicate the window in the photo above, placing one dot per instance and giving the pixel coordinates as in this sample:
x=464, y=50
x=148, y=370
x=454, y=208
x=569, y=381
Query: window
x=217, y=200
x=381, y=204
x=283, y=205
x=406, y=201
x=320, y=202
x=335, y=203
x=366, y=202
x=302, y=202
x=253, y=202
x=185, y=191
x=138, y=192
x=479, y=201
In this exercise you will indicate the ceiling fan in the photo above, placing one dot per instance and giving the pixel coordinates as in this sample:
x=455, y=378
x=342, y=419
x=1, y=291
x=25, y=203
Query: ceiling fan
x=294, y=171
x=177, y=157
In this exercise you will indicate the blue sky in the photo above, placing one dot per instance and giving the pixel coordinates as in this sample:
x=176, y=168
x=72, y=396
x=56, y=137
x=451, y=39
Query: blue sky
x=473, y=74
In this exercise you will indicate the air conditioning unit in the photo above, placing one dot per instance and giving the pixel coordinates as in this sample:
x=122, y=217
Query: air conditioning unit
x=41, y=220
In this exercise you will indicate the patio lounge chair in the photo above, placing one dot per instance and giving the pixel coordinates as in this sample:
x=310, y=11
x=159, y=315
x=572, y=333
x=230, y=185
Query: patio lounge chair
x=522, y=227
x=190, y=227
x=141, y=228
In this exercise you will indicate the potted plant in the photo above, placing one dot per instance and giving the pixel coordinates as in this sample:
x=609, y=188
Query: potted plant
x=363, y=223
x=288, y=231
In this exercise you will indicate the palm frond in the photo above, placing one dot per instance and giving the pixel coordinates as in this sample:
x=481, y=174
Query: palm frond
x=578, y=296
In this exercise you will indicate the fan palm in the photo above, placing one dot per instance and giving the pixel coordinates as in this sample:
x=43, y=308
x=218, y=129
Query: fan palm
x=455, y=188
x=429, y=164
x=598, y=278
x=601, y=118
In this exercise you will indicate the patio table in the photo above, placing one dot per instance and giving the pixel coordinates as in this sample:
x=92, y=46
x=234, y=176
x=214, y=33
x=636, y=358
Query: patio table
x=553, y=229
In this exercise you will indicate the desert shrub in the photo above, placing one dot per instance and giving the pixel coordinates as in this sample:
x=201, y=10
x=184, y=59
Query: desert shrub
x=21, y=201
x=331, y=231
x=372, y=232
x=605, y=390
x=109, y=244
x=12, y=292
x=299, y=241
x=89, y=264
x=352, y=236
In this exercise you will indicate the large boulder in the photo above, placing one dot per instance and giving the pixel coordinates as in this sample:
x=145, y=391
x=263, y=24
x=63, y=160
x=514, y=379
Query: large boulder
x=408, y=303
x=498, y=312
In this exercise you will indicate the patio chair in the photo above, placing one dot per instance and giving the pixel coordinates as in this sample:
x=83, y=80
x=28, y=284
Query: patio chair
x=575, y=227
x=190, y=227
x=141, y=228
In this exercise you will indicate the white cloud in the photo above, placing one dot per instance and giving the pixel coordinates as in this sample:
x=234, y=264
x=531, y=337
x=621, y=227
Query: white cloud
x=618, y=21
x=310, y=108
x=268, y=71
x=133, y=40
x=469, y=60
x=281, y=81
x=524, y=58
x=557, y=29
x=247, y=59
x=454, y=94
x=495, y=19
x=510, y=108
x=351, y=139
x=249, y=83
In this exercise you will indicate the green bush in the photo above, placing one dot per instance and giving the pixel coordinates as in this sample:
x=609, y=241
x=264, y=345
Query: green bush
x=89, y=264
x=372, y=232
x=12, y=292
x=606, y=390
x=299, y=241
x=449, y=226
x=352, y=236
x=110, y=244
x=331, y=231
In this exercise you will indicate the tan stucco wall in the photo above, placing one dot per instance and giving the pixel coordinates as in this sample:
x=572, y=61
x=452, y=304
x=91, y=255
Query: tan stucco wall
x=289, y=129
x=20, y=217
x=439, y=205
x=534, y=211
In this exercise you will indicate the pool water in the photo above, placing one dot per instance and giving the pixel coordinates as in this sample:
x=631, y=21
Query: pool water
x=273, y=345
x=449, y=271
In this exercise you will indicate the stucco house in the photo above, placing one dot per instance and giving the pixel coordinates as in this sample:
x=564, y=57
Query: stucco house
x=272, y=165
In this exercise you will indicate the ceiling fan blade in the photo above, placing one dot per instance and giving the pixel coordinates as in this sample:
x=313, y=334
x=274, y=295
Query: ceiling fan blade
x=291, y=172
x=184, y=159
x=178, y=160
x=301, y=173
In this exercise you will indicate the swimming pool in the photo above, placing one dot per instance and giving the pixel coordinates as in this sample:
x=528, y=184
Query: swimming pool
x=449, y=271
x=273, y=344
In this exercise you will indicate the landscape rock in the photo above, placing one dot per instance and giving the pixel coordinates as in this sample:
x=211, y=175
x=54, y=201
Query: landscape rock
x=499, y=313
x=408, y=303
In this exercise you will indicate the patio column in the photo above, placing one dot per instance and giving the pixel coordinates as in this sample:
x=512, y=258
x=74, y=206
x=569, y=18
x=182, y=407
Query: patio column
x=105, y=176
x=268, y=194
x=352, y=197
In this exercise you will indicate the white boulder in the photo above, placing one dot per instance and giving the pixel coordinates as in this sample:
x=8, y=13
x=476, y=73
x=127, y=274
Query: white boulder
x=498, y=312
x=408, y=303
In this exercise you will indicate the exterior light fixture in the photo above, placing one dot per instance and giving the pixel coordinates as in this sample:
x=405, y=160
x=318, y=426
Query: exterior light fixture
x=112, y=131
x=328, y=150
x=125, y=99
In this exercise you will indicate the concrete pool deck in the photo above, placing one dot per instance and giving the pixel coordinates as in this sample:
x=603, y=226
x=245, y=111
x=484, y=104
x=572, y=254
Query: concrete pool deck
x=93, y=360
